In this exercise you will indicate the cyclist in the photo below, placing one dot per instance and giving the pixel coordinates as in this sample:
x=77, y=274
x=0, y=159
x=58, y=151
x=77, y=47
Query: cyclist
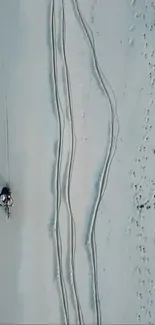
x=5, y=197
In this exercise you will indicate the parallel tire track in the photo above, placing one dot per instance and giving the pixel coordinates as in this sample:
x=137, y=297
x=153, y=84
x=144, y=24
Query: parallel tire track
x=105, y=171
x=72, y=228
x=58, y=167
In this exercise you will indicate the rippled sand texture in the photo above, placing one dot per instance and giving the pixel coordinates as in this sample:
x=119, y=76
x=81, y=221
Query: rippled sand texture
x=77, y=147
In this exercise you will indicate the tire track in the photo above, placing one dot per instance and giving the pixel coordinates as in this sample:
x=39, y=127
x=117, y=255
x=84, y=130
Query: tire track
x=72, y=227
x=91, y=242
x=58, y=242
x=7, y=141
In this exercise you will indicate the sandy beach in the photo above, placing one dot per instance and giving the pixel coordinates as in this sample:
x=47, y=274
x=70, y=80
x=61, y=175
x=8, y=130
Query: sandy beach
x=77, y=82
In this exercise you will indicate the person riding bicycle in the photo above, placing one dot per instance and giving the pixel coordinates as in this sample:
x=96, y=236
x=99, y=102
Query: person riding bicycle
x=5, y=197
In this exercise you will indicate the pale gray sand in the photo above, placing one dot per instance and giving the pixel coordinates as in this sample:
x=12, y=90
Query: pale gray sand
x=30, y=291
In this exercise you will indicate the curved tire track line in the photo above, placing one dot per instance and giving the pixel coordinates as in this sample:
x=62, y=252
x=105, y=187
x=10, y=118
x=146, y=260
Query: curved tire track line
x=72, y=227
x=105, y=172
x=57, y=169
